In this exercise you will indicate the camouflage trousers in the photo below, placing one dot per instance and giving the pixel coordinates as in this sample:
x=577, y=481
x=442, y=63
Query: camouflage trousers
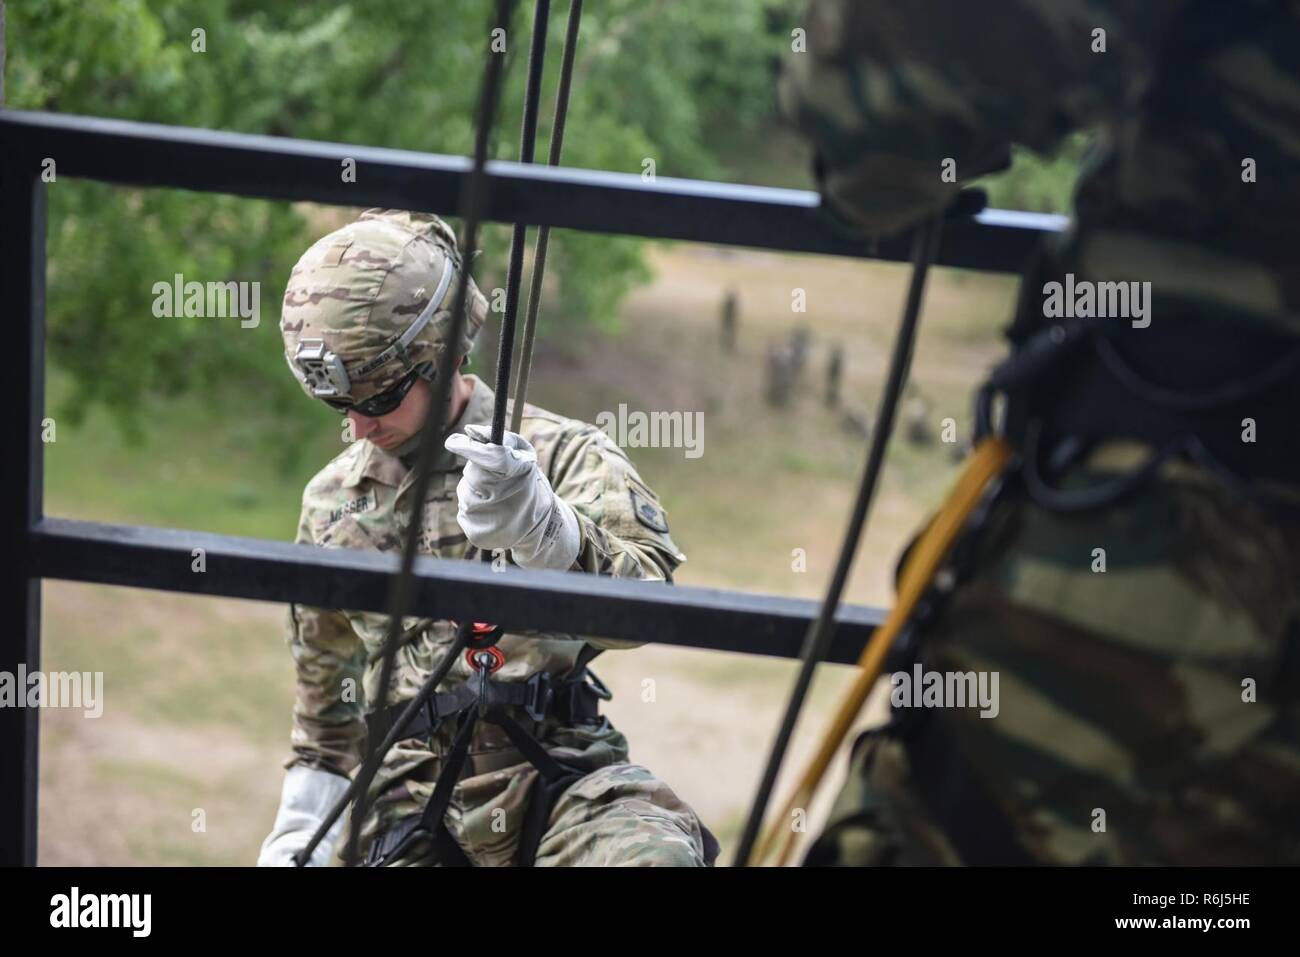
x=619, y=814
x=1148, y=657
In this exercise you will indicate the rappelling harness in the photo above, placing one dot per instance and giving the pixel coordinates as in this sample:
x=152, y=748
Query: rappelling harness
x=572, y=700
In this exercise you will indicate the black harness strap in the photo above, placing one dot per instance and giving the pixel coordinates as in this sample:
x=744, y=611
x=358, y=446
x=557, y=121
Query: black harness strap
x=398, y=838
x=429, y=824
x=553, y=778
x=545, y=795
x=452, y=767
x=573, y=699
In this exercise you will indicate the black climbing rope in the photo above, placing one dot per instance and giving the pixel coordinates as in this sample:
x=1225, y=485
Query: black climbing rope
x=519, y=237
x=544, y=232
x=818, y=638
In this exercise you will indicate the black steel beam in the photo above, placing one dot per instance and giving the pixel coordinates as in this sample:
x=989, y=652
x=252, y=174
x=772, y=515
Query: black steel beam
x=519, y=599
x=151, y=155
x=22, y=276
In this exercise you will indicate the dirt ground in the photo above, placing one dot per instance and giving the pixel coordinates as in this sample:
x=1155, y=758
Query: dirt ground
x=184, y=765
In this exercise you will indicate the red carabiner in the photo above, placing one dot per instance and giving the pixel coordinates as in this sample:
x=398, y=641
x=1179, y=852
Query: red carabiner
x=498, y=657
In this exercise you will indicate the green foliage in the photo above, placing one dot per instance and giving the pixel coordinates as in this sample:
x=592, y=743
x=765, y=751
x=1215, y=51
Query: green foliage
x=652, y=80
x=1040, y=184
x=689, y=86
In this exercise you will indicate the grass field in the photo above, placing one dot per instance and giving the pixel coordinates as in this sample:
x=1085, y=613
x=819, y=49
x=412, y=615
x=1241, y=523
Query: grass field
x=198, y=690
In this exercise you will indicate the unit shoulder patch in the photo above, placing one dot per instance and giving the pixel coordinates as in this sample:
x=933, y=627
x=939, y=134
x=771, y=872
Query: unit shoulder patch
x=646, y=509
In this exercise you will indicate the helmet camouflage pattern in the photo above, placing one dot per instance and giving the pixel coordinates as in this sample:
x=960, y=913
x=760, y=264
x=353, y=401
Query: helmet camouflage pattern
x=371, y=302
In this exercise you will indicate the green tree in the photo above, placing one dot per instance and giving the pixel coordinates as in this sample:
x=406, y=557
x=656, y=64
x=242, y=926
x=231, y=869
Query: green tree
x=652, y=79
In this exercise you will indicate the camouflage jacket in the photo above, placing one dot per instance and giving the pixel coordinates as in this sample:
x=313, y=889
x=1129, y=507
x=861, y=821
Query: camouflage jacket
x=1192, y=184
x=361, y=500
x=1146, y=649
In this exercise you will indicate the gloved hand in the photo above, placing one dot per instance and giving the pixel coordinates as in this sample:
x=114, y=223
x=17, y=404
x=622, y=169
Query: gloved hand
x=306, y=798
x=506, y=502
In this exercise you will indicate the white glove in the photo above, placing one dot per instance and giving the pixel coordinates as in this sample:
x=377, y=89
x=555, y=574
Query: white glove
x=506, y=502
x=307, y=797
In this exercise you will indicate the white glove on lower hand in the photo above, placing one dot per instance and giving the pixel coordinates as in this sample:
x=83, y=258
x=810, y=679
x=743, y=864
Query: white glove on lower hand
x=506, y=502
x=306, y=798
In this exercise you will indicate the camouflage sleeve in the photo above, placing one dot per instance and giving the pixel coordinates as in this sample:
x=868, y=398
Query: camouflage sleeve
x=904, y=102
x=328, y=715
x=624, y=528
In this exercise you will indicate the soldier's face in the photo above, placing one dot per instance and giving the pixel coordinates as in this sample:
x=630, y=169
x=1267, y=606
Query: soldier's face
x=391, y=430
x=394, y=429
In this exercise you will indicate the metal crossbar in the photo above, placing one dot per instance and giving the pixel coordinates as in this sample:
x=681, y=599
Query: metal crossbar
x=148, y=155
x=268, y=167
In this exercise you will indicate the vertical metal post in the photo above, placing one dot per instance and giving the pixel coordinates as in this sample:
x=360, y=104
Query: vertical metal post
x=22, y=276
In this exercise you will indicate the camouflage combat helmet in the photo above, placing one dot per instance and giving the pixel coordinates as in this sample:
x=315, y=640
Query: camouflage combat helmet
x=370, y=304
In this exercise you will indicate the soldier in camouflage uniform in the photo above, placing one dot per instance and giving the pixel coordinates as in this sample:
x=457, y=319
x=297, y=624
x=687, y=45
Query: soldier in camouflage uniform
x=375, y=297
x=1147, y=641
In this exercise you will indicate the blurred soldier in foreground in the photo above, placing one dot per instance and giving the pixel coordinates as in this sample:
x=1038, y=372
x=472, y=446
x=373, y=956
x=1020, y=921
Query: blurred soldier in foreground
x=1134, y=577
x=366, y=314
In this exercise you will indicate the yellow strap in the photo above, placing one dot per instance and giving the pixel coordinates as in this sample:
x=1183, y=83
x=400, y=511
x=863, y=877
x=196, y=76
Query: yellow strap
x=985, y=462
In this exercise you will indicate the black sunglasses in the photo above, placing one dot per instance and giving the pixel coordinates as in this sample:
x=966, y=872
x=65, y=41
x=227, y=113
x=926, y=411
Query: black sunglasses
x=377, y=405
